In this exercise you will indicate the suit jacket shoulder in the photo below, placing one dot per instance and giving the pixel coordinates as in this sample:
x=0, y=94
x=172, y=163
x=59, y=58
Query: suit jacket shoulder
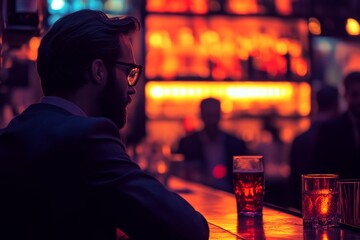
x=69, y=177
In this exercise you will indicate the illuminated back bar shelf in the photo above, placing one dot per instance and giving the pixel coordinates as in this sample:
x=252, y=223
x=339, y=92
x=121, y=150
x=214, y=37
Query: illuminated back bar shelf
x=242, y=61
x=178, y=99
x=251, y=55
x=240, y=7
x=239, y=54
x=226, y=48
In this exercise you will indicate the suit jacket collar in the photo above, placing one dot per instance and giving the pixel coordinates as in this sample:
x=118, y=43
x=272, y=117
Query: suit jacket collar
x=40, y=107
x=64, y=104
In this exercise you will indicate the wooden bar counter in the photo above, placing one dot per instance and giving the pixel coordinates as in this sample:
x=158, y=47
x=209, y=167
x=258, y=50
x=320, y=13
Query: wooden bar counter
x=219, y=208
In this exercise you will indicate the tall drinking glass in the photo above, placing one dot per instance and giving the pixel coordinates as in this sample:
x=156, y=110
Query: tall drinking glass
x=248, y=176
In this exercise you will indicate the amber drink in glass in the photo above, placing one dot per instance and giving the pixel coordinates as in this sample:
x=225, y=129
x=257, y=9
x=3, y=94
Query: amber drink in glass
x=248, y=176
x=319, y=200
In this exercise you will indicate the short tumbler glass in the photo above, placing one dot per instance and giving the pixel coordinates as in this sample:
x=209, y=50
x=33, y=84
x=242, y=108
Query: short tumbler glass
x=319, y=200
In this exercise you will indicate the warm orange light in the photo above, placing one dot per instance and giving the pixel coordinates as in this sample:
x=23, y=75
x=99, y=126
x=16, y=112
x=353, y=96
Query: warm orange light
x=186, y=36
x=323, y=202
x=219, y=48
x=219, y=73
x=352, y=27
x=243, y=90
x=153, y=5
x=189, y=123
x=199, y=6
x=314, y=26
x=170, y=68
x=304, y=93
x=161, y=167
x=283, y=7
x=33, y=47
x=160, y=39
x=195, y=6
x=299, y=66
x=227, y=106
x=155, y=40
x=209, y=37
x=177, y=99
x=245, y=43
x=295, y=49
x=243, y=6
x=281, y=47
x=324, y=236
x=287, y=134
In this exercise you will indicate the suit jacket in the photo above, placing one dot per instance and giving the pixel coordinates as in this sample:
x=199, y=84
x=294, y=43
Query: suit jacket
x=193, y=150
x=68, y=177
x=336, y=150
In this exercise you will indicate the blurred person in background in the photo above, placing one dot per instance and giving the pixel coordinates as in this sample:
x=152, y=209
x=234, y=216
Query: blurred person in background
x=338, y=145
x=64, y=172
x=302, y=151
x=208, y=152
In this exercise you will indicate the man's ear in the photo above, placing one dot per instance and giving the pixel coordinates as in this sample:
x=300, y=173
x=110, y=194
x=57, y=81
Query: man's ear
x=98, y=71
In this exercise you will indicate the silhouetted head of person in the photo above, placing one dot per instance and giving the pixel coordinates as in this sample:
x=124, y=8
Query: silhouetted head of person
x=352, y=93
x=270, y=127
x=87, y=57
x=210, y=113
x=327, y=99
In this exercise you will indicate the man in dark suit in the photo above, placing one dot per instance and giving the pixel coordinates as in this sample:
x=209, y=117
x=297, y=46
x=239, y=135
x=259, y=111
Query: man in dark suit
x=64, y=172
x=338, y=146
x=208, y=153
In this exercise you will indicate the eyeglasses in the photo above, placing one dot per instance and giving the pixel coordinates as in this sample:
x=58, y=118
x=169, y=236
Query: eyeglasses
x=133, y=72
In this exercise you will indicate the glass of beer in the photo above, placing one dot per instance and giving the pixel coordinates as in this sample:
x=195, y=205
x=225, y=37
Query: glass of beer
x=248, y=177
x=319, y=200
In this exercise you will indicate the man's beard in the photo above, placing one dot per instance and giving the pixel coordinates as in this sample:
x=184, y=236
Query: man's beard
x=111, y=108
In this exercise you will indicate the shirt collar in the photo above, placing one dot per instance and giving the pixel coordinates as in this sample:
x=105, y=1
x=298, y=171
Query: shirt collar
x=64, y=104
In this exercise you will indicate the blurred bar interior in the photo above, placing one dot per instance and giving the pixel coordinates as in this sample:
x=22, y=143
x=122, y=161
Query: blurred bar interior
x=263, y=59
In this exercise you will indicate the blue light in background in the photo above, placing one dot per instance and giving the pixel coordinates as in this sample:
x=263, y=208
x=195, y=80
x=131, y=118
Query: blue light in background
x=58, y=8
x=57, y=4
x=96, y=4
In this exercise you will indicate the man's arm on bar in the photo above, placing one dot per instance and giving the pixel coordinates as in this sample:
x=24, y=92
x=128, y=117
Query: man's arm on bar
x=142, y=206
